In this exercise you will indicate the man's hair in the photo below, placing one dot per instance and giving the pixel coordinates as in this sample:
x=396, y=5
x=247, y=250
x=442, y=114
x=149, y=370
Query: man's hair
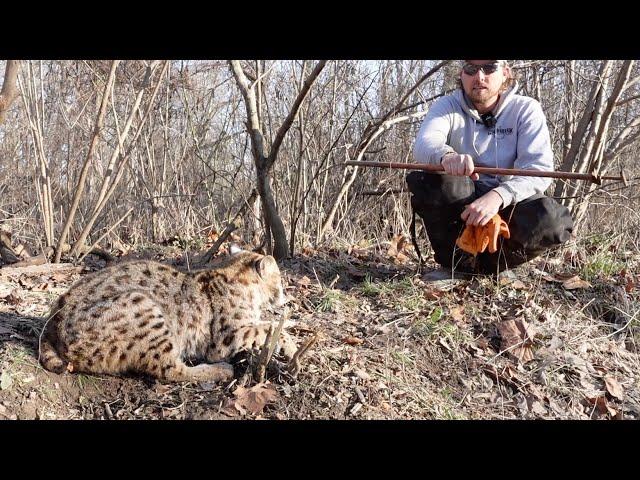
x=509, y=81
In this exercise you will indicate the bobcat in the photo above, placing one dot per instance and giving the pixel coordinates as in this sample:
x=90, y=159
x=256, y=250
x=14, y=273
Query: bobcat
x=142, y=316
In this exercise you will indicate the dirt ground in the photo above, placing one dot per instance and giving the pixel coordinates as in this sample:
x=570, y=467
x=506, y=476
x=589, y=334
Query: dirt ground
x=557, y=341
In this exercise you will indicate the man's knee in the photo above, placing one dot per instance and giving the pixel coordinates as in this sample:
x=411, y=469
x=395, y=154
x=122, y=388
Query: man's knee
x=540, y=223
x=434, y=191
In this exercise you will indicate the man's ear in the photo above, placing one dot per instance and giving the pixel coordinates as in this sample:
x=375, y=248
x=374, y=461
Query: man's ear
x=507, y=72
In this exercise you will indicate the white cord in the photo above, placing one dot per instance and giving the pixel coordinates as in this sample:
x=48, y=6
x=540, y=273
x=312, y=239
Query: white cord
x=495, y=142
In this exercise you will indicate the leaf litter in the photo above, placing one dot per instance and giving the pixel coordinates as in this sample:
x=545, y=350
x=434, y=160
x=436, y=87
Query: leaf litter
x=394, y=347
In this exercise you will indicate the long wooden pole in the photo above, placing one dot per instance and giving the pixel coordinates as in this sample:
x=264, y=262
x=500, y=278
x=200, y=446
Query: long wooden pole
x=492, y=171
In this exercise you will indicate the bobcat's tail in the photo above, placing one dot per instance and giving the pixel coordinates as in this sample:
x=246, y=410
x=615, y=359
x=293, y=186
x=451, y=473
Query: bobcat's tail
x=48, y=355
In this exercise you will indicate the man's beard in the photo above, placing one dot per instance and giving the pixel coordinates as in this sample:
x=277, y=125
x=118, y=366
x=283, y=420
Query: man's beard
x=482, y=95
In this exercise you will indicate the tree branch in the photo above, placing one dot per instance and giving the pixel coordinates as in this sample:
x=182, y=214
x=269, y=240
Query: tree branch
x=293, y=112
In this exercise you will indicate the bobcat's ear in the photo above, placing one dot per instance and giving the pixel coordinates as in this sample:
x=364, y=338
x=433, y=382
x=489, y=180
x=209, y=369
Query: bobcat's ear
x=266, y=265
x=234, y=249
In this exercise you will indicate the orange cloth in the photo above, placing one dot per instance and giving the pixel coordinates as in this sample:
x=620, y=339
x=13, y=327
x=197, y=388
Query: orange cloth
x=476, y=239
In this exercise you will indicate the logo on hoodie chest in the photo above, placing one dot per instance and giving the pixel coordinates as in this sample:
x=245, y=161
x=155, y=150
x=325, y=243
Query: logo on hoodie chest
x=500, y=132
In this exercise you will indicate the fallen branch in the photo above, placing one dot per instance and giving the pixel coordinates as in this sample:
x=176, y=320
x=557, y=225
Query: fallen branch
x=48, y=268
x=37, y=260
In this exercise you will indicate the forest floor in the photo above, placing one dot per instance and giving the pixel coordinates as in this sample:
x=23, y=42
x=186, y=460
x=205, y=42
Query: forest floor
x=560, y=340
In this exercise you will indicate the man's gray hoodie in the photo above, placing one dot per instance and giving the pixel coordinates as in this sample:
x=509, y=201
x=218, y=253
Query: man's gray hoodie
x=520, y=139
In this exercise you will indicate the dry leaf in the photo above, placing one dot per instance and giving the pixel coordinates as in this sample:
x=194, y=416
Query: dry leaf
x=457, y=314
x=535, y=406
x=353, y=340
x=514, y=332
x=303, y=282
x=613, y=387
x=161, y=388
x=602, y=405
x=569, y=281
x=512, y=282
x=433, y=293
x=517, y=337
x=60, y=278
x=629, y=285
x=575, y=282
x=510, y=373
x=69, y=367
x=525, y=353
x=397, y=248
x=558, y=277
x=394, y=248
x=254, y=399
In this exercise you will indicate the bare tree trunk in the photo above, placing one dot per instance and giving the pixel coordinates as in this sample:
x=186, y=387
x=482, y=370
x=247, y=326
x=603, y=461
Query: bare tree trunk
x=264, y=158
x=9, y=90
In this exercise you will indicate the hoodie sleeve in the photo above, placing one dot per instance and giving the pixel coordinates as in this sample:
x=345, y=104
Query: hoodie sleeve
x=533, y=152
x=431, y=142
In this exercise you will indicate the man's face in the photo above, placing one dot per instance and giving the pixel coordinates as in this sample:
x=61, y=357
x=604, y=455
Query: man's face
x=482, y=86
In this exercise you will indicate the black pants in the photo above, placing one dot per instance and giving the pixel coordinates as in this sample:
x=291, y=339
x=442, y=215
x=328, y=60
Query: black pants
x=536, y=224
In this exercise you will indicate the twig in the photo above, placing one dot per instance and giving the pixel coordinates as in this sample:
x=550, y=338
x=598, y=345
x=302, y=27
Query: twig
x=206, y=258
x=294, y=363
x=93, y=247
x=269, y=346
x=382, y=192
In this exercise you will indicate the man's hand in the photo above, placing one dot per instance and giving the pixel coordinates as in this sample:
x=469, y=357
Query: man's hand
x=483, y=209
x=459, y=165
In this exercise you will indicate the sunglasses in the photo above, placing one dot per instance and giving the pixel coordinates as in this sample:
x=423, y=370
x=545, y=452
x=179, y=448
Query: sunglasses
x=487, y=68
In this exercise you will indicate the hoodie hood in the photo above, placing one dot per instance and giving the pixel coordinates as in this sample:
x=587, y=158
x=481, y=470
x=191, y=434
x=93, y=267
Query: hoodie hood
x=467, y=106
